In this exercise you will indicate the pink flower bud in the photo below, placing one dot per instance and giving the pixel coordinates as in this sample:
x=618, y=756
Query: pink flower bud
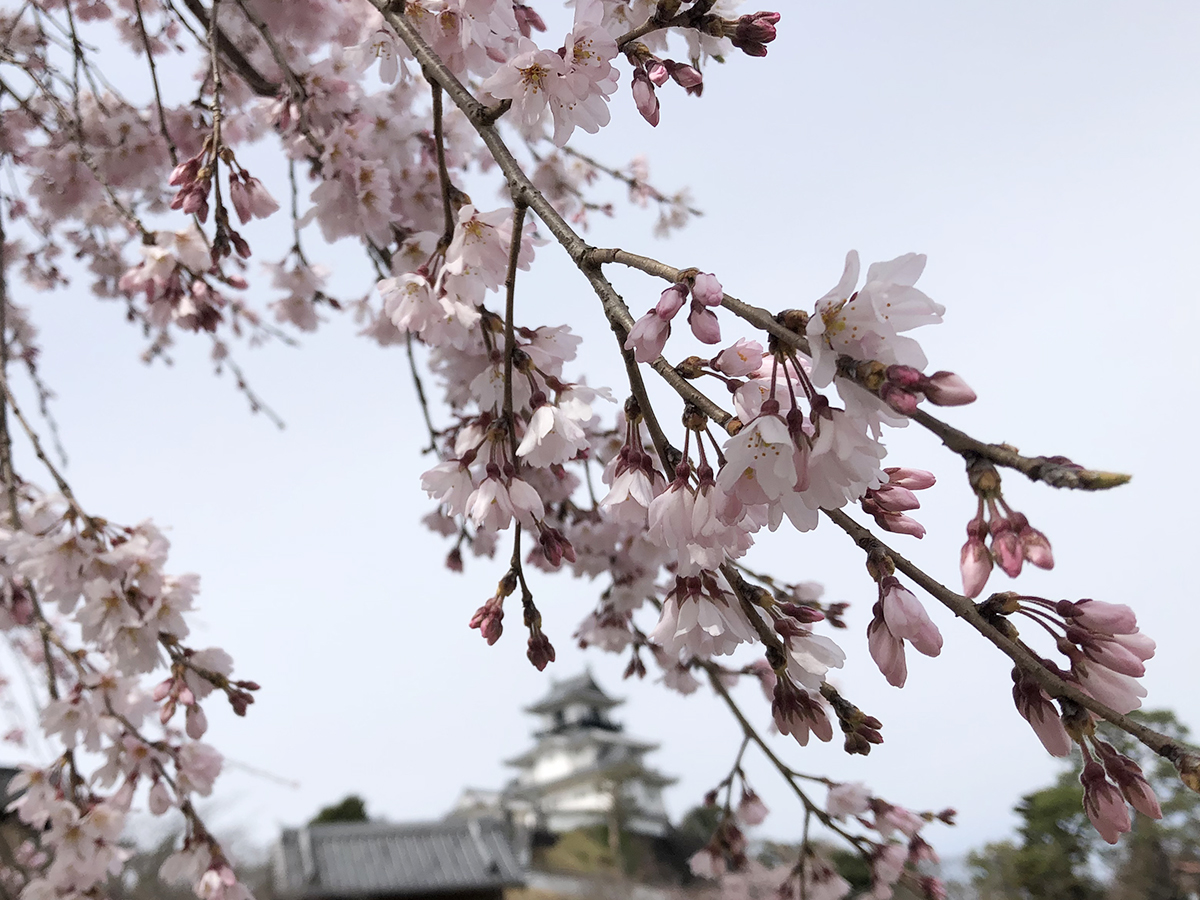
x=759, y=26
x=893, y=498
x=796, y=713
x=904, y=376
x=528, y=20
x=1035, y=707
x=643, y=96
x=160, y=798
x=1034, y=545
x=913, y=479
x=686, y=77
x=540, y=651
x=1107, y=618
x=887, y=650
x=704, y=324
x=707, y=290
x=899, y=399
x=162, y=689
x=1103, y=803
x=975, y=563
x=1122, y=692
x=947, y=389
x=185, y=172
x=671, y=301
x=489, y=620
x=1140, y=645
x=804, y=614
x=196, y=723
x=897, y=523
x=906, y=617
x=658, y=73
x=1107, y=653
x=1006, y=547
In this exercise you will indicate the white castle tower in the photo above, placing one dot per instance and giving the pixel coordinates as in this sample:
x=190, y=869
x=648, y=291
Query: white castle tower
x=583, y=770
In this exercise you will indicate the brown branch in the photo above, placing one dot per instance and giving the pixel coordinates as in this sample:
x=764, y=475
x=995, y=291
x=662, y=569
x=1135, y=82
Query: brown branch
x=510, y=292
x=439, y=140
x=162, y=118
x=93, y=525
x=6, y=454
x=236, y=59
x=1053, y=471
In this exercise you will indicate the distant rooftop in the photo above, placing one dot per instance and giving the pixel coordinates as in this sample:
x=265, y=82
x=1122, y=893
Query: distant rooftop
x=580, y=689
x=371, y=859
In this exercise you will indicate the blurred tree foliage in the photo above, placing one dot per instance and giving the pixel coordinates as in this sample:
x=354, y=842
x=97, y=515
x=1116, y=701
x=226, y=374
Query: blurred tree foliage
x=351, y=809
x=1058, y=855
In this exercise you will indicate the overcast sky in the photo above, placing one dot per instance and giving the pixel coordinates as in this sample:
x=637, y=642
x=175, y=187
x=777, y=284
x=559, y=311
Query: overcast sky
x=1042, y=155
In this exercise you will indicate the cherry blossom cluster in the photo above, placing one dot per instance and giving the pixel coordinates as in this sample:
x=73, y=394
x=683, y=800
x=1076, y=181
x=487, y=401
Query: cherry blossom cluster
x=1013, y=541
x=1106, y=653
x=89, y=604
x=382, y=111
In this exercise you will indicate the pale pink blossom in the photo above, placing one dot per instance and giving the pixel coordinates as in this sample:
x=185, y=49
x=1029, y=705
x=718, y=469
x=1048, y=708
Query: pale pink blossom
x=751, y=809
x=847, y=799
x=250, y=198
x=741, y=359
x=699, y=618
x=494, y=503
x=554, y=434
x=866, y=323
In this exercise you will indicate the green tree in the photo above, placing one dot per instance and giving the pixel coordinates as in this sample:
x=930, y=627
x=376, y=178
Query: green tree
x=1051, y=861
x=351, y=809
x=1158, y=860
x=1057, y=853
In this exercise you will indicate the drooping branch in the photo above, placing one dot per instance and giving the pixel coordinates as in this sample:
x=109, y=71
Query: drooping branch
x=714, y=677
x=965, y=609
x=1055, y=471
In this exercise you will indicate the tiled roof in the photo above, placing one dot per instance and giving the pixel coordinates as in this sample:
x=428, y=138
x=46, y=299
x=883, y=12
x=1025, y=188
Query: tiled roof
x=580, y=689
x=360, y=859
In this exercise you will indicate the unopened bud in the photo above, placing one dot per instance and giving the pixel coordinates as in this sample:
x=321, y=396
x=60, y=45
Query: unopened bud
x=947, y=389
x=1188, y=766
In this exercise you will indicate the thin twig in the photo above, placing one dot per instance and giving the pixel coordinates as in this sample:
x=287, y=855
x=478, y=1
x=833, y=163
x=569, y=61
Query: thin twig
x=439, y=140
x=162, y=118
x=63, y=488
x=421, y=399
x=714, y=677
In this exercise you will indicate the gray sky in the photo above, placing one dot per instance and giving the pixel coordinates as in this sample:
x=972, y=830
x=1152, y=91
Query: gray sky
x=1042, y=155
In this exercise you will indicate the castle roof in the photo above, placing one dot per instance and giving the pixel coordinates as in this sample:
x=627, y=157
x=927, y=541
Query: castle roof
x=617, y=770
x=549, y=743
x=581, y=689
